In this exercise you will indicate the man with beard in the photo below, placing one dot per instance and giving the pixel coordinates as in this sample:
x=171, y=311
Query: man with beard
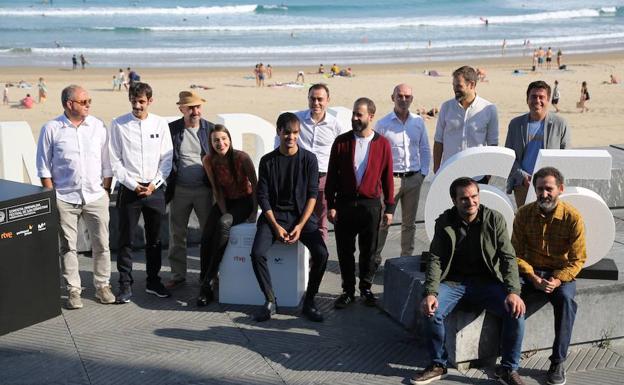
x=549, y=239
x=140, y=152
x=360, y=169
x=188, y=187
x=407, y=135
x=531, y=132
x=466, y=121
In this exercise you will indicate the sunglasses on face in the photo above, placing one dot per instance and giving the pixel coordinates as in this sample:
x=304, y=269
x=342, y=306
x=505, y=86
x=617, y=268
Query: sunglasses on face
x=82, y=102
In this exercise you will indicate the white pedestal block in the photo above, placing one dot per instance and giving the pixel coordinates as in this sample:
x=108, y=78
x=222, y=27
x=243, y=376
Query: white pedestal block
x=288, y=266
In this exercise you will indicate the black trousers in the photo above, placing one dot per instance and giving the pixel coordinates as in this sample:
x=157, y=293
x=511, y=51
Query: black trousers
x=217, y=233
x=359, y=218
x=130, y=207
x=310, y=237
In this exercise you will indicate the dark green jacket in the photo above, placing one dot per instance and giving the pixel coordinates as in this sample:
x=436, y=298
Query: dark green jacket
x=498, y=253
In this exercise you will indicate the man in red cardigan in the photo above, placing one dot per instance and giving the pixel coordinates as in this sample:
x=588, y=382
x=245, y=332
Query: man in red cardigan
x=358, y=176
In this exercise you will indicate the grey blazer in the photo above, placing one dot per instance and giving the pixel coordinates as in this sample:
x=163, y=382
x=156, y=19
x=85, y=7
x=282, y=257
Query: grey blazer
x=556, y=136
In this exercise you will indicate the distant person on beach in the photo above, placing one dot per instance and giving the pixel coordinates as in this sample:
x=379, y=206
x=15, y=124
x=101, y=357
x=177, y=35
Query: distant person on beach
x=535, y=58
x=43, y=90
x=503, y=46
x=262, y=73
x=74, y=62
x=540, y=57
x=269, y=71
x=321, y=69
x=612, y=80
x=28, y=102
x=555, y=96
x=141, y=153
x=133, y=77
x=465, y=121
x=319, y=129
x=114, y=82
x=531, y=132
x=121, y=80
x=559, y=58
x=582, y=104
x=300, y=77
x=74, y=159
x=482, y=74
x=188, y=187
x=83, y=61
x=5, y=95
x=257, y=74
x=411, y=156
x=549, y=55
x=334, y=69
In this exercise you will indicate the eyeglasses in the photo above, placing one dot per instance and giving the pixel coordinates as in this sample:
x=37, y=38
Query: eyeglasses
x=82, y=102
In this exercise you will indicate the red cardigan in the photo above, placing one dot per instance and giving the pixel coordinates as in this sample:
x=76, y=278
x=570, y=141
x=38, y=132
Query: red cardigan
x=341, y=183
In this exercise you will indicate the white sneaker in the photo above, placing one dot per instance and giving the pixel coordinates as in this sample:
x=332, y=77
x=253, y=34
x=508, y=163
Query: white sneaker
x=73, y=300
x=105, y=295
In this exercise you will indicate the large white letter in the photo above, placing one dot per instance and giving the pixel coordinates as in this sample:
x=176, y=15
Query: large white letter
x=471, y=162
x=18, y=151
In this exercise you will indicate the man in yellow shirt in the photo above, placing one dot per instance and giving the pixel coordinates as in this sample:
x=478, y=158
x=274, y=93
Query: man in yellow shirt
x=549, y=239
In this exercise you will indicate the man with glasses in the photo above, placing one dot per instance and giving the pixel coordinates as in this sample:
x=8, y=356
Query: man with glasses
x=407, y=135
x=73, y=158
x=140, y=153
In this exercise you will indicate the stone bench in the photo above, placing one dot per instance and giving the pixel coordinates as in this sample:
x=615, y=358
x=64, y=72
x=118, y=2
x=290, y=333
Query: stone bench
x=473, y=336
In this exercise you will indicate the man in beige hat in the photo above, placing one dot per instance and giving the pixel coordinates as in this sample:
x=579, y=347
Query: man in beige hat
x=188, y=187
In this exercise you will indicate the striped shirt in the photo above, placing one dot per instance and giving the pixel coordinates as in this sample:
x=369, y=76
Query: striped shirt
x=550, y=242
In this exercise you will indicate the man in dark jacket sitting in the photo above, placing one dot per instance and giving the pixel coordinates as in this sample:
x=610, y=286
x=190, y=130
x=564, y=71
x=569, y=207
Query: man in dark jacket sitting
x=471, y=258
x=287, y=191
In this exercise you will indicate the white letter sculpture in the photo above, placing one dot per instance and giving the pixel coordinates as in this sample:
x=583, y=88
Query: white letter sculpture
x=573, y=164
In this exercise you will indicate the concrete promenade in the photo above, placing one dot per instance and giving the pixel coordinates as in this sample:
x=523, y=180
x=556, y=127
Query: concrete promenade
x=171, y=341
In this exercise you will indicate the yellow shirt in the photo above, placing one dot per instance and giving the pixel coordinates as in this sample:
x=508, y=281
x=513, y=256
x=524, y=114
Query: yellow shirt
x=553, y=242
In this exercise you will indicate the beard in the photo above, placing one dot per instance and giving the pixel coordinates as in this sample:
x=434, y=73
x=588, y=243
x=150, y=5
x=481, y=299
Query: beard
x=547, y=205
x=358, y=126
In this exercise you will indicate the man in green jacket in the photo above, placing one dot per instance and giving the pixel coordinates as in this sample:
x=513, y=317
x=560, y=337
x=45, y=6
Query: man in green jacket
x=471, y=258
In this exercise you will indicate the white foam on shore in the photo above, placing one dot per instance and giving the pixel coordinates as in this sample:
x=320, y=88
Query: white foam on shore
x=122, y=11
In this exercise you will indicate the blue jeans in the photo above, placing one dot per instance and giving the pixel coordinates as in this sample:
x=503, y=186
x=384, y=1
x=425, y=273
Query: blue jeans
x=489, y=295
x=564, y=309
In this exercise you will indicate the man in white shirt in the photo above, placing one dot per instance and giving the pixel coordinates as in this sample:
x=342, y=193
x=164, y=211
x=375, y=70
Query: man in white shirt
x=72, y=157
x=318, y=132
x=466, y=121
x=411, y=155
x=141, y=152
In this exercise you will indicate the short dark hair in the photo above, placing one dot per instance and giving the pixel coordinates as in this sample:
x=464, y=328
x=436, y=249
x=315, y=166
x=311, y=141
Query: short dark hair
x=468, y=73
x=370, y=105
x=319, y=86
x=462, y=182
x=138, y=88
x=285, y=120
x=68, y=93
x=539, y=84
x=548, y=171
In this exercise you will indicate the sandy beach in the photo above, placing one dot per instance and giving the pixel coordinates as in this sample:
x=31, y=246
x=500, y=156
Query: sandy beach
x=233, y=90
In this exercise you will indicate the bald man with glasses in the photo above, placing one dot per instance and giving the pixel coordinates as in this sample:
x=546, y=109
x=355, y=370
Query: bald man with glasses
x=73, y=158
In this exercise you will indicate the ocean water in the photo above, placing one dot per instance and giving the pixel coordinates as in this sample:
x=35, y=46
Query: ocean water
x=158, y=33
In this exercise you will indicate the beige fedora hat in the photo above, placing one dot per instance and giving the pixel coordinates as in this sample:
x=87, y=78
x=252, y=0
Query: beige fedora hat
x=189, y=98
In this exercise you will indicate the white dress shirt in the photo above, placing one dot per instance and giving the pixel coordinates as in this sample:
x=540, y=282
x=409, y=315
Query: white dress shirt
x=75, y=158
x=318, y=137
x=459, y=128
x=141, y=151
x=408, y=141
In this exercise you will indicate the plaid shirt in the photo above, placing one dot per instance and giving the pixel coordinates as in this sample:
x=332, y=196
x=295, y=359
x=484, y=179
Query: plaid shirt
x=550, y=242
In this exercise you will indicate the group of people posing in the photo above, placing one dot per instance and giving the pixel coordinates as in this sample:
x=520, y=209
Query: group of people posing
x=321, y=172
